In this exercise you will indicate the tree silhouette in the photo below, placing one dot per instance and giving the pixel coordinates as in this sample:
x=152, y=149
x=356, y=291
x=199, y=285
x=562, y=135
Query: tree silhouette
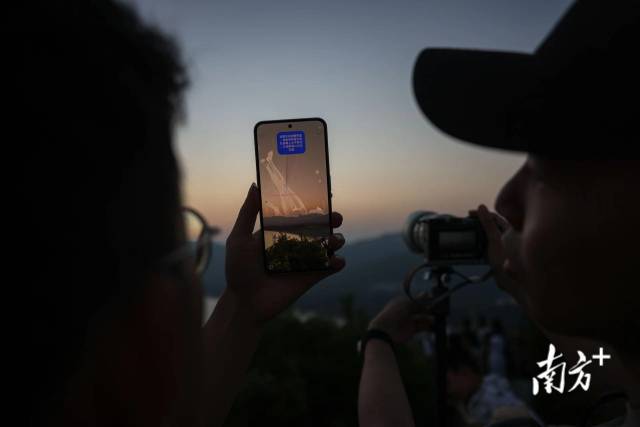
x=297, y=253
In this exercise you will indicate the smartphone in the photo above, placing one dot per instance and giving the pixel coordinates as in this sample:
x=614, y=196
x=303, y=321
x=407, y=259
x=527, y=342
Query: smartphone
x=292, y=163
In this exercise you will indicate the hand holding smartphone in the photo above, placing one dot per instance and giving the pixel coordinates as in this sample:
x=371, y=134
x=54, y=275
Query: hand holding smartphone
x=292, y=162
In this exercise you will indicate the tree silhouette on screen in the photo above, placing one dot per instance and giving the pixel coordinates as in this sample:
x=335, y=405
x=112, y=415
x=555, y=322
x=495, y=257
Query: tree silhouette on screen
x=290, y=253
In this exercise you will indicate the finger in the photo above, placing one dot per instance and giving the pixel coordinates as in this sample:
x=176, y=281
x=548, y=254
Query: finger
x=501, y=222
x=336, y=241
x=336, y=219
x=490, y=227
x=246, y=220
x=336, y=264
x=256, y=239
x=495, y=248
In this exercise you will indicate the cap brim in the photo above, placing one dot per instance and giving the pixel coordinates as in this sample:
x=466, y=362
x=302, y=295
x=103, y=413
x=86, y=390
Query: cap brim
x=471, y=94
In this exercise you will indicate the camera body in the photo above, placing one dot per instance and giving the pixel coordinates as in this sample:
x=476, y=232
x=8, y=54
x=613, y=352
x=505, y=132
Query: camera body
x=446, y=240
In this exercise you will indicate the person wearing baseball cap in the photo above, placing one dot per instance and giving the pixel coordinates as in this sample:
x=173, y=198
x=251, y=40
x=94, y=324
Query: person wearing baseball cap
x=564, y=241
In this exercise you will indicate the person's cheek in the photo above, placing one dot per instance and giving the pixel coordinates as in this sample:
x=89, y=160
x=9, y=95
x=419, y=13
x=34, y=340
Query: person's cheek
x=544, y=245
x=535, y=273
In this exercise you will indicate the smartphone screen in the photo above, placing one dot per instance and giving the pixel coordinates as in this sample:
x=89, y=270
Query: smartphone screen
x=292, y=163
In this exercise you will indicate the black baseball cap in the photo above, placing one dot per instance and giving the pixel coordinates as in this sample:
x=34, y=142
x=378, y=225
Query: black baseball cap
x=577, y=95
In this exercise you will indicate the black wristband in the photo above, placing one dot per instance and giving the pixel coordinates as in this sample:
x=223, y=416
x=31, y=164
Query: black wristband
x=377, y=334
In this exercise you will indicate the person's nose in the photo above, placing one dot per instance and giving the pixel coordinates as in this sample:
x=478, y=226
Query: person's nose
x=510, y=201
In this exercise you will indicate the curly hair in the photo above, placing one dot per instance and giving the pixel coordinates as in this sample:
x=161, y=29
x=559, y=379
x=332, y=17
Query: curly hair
x=95, y=94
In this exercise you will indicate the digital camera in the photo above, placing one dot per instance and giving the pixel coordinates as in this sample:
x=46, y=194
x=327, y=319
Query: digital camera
x=446, y=240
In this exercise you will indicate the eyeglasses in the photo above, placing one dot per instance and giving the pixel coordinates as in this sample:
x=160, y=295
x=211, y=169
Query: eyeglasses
x=197, y=246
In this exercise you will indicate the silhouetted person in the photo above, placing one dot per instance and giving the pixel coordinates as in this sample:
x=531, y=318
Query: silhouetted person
x=560, y=243
x=478, y=398
x=497, y=350
x=468, y=334
x=482, y=329
x=114, y=298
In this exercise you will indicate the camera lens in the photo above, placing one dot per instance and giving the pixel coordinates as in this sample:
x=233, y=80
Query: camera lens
x=289, y=125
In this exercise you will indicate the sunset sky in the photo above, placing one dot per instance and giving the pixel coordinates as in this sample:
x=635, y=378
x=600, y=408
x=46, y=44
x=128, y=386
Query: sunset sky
x=349, y=63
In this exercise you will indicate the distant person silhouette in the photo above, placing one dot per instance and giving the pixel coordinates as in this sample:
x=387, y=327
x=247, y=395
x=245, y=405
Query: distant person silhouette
x=482, y=330
x=562, y=243
x=479, y=397
x=114, y=296
x=497, y=350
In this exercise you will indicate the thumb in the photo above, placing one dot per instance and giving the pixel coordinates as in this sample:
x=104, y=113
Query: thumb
x=489, y=225
x=246, y=220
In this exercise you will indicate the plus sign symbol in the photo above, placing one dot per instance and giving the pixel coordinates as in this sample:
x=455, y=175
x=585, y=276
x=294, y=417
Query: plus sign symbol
x=600, y=357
